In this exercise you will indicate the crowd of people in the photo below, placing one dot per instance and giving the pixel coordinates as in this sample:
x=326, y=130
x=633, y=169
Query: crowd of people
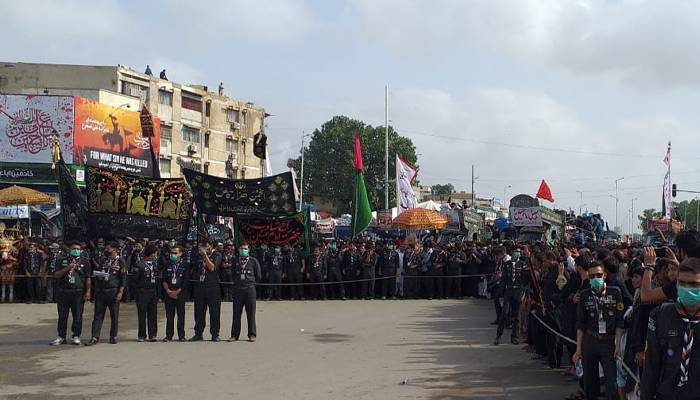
x=623, y=315
x=626, y=315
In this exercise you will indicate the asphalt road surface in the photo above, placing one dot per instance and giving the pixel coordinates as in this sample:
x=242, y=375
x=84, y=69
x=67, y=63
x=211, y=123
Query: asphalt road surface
x=305, y=350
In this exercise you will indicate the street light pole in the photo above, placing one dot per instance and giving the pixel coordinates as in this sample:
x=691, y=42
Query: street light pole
x=386, y=147
x=505, y=189
x=580, y=204
x=301, y=180
x=633, y=225
x=617, y=198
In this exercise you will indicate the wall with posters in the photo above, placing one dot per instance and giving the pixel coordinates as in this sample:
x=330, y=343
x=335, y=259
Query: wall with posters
x=110, y=137
x=27, y=124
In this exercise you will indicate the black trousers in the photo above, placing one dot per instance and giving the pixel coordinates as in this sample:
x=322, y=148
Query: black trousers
x=388, y=284
x=147, y=310
x=274, y=291
x=171, y=308
x=243, y=297
x=436, y=283
x=453, y=287
x=295, y=291
x=365, y=292
x=352, y=289
x=594, y=351
x=318, y=290
x=336, y=289
x=412, y=284
x=471, y=284
x=555, y=350
x=511, y=308
x=207, y=298
x=33, y=285
x=70, y=301
x=106, y=299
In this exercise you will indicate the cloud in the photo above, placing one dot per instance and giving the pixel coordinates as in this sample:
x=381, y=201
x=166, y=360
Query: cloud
x=646, y=44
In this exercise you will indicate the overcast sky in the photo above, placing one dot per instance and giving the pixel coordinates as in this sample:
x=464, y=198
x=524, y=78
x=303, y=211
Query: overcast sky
x=575, y=92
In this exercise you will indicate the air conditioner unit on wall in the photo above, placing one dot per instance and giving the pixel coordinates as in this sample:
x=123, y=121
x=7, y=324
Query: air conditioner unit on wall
x=192, y=148
x=235, y=126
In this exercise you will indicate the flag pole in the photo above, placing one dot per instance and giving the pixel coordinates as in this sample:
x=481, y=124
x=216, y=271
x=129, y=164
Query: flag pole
x=386, y=147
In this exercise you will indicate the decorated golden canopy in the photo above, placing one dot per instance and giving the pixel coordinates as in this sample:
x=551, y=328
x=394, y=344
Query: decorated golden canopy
x=420, y=218
x=20, y=196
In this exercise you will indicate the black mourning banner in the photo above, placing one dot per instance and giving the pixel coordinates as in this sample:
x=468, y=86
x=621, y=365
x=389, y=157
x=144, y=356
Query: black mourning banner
x=259, y=145
x=270, y=196
x=280, y=231
x=129, y=205
x=73, y=206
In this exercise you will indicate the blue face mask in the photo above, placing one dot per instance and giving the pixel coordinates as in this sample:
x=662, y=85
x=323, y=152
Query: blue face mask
x=597, y=283
x=75, y=252
x=244, y=253
x=174, y=257
x=515, y=256
x=688, y=297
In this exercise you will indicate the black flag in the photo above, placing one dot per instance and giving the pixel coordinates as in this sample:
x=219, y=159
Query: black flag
x=259, y=145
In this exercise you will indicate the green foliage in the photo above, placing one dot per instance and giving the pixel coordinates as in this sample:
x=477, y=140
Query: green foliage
x=649, y=213
x=687, y=212
x=443, y=190
x=328, y=161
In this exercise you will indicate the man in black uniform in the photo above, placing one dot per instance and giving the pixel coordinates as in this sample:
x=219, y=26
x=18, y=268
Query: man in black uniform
x=672, y=362
x=512, y=281
x=388, y=265
x=228, y=258
x=52, y=265
x=294, y=270
x=109, y=282
x=246, y=272
x=145, y=275
x=176, y=275
x=368, y=262
x=455, y=260
x=437, y=273
x=276, y=265
x=264, y=256
x=334, y=264
x=207, y=293
x=351, y=270
x=317, y=273
x=32, y=262
x=72, y=284
x=124, y=252
x=599, y=328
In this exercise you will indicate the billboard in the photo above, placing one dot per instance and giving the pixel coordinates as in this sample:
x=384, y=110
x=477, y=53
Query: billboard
x=27, y=126
x=111, y=138
x=526, y=216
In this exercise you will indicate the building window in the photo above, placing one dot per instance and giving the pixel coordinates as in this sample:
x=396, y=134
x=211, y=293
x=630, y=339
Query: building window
x=206, y=140
x=164, y=146
x=165, y=165
x=165, y=98
x=231, y=115
x=206, y=169
x=190, y=134
x=207, y=109
x=243, y=149
x=166, y=132
x=191, y=103
x=231, y=146
x=243, y=114
x=134, y=90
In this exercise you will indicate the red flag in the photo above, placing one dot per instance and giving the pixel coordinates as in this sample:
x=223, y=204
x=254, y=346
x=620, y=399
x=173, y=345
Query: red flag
x=544, y=193
x=358, y=155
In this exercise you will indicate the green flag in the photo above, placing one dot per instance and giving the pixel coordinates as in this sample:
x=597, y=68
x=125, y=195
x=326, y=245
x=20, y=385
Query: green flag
x=362, y=212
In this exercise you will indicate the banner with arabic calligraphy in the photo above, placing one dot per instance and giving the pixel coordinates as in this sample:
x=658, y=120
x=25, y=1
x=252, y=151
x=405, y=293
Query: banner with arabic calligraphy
x=526, y=216
x=293, y=230
x=112, y=138
x=74, y=208
x=270, y=196
x=27, y=126
x=128, y=205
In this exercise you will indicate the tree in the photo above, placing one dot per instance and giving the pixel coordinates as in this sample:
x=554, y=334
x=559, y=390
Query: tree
x=649, y=213
x=687, y=213
x=328, y=161
x=443, y=190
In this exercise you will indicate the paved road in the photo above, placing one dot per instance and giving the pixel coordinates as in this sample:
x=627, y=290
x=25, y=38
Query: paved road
x=353, y=349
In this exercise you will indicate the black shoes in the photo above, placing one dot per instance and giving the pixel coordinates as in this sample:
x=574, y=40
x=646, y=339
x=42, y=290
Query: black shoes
x=215, y=339
x=497, y=341
x=196, y=339
x=112, y=340
x=92, y=342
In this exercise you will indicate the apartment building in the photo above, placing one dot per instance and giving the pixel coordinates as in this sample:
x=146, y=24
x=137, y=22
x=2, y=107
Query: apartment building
x=200, y=129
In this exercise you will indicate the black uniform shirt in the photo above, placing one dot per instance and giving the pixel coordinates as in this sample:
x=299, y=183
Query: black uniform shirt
x=246, y=271
x=202, y=273
x=333, y=260
x=176, y=275
x=663, y=357
x=292, y=261
x=276, y=262
x=117, y=274
x=317, y=265
x=607, y=307
x=73, y=280
x=145, y=275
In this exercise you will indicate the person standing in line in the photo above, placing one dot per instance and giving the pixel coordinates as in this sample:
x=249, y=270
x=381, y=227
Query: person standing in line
x=334, y=264
x=455, y=260
x=275, y=274
x=368, y=261
x=294, y=268
x=145, y=275
x=175, y=280
x=228, y=258
x=54, y=256
x=400, y=271
x=246, y=272
x=263, y=255
x=32, y=262
x=109, y=282
x=8, y=266
x=207, y=293
x=438, y=273
x=413, y=267
x=388, y=267
x=72, y=284
x=511, y=281
x=317, y=274
x=426, y=269
x=351, y=270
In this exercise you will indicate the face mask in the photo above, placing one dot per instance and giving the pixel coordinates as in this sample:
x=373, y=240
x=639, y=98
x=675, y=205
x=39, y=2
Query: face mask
x=597, y=283
x=516, y=255
x=174, y=257
x=244, y=253
x=75, y=253
x=688, y=297
x=390, y=247
x=278, y=250
x=331, y=246
x=171, y=245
